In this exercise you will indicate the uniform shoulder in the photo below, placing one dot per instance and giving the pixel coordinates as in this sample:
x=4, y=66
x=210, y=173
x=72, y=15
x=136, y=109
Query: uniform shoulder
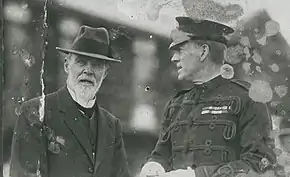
x=177, y=97
x=181, y=92
x=241, y=83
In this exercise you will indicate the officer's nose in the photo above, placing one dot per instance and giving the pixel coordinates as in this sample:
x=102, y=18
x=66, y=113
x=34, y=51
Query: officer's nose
x=175, y=58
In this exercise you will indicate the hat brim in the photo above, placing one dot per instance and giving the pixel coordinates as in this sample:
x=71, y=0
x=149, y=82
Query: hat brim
x=174, y=44
x=92, y=55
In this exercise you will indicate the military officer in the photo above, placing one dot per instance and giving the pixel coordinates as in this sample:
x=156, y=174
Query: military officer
x=214, y=127
x=67, y=134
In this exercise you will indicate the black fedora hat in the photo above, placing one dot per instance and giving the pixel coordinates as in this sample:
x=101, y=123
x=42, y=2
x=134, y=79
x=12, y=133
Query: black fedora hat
x=198, y=29
x=92, y=42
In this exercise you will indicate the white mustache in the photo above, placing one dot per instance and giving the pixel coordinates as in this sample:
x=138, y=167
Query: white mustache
x=89, y=79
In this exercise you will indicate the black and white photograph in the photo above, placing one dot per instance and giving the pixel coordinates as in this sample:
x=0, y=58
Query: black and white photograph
x=145, y=88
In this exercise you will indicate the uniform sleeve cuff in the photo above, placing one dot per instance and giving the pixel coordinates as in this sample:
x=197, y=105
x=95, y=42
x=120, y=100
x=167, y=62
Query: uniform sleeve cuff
x=232, y=169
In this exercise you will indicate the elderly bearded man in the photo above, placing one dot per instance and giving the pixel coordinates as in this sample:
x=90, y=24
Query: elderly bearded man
x=76, y=138
x=213, y=128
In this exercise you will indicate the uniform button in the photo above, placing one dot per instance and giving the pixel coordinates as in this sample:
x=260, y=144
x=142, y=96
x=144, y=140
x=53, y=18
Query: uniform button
x=211, y=126
x=91, y=170
x=208, y=142
x=207, y=151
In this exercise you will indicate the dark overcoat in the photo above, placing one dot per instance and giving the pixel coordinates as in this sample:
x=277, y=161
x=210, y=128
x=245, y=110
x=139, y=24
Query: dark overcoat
x=58, y=146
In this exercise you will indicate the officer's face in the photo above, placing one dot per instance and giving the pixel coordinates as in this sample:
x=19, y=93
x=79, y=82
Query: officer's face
x=85, y=75
x=187, y=60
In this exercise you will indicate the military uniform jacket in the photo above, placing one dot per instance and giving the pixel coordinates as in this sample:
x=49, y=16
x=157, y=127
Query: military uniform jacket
x=217, y=125
x=59, y=146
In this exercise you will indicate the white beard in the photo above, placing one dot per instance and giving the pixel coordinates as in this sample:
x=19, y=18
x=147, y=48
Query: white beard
x=85, y=92
x=82, y=94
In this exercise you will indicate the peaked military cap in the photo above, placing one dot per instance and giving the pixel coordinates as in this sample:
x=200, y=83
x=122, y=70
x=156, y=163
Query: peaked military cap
x=92, y=42
x=196, y=29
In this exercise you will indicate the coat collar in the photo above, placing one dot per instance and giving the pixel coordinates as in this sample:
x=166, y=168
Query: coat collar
x=71, y=117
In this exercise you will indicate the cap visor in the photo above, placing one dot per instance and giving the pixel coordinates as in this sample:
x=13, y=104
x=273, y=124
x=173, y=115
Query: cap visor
x=175, y=44
x=92, y=55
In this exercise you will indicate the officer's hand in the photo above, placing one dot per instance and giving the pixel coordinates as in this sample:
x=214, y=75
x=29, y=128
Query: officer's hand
x=181, y=173
x=152, y=169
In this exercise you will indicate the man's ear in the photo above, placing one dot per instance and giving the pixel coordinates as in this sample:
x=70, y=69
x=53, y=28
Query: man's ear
x=65, y=65
x=205, y=52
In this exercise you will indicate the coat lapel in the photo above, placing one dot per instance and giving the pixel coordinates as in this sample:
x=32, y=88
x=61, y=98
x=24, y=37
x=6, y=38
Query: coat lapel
x=72, y=118
x=105, y=137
